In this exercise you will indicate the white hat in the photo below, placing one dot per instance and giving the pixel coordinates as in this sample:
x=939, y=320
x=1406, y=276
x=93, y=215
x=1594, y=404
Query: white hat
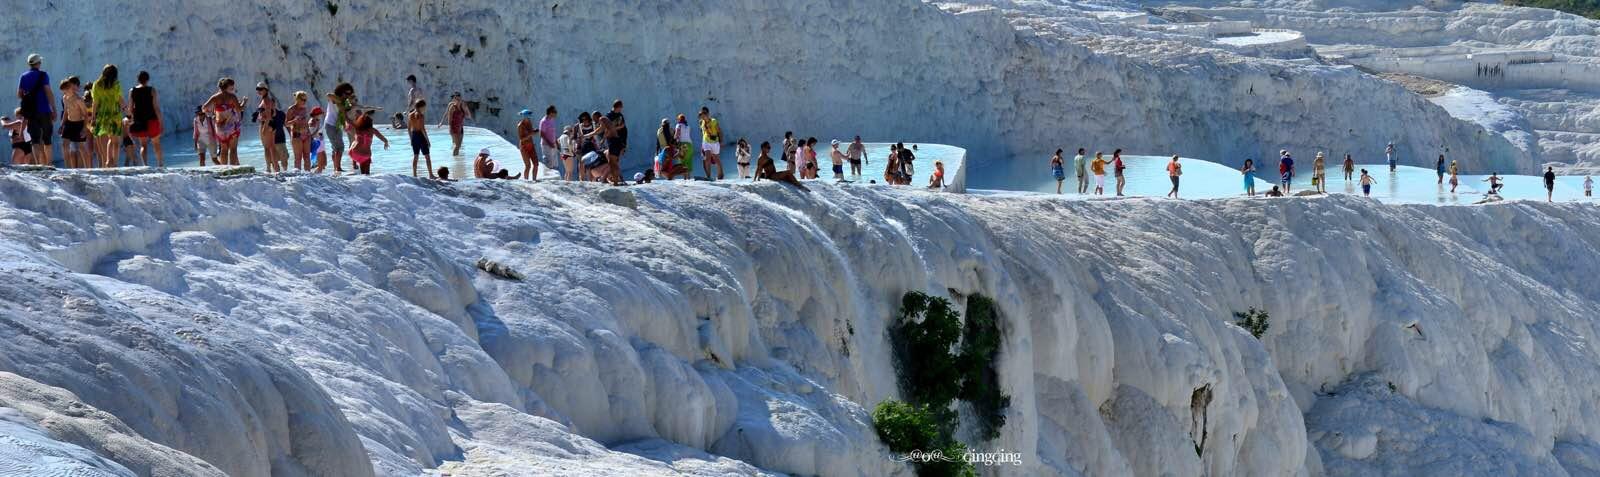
x=35, y=59
x=483, y=152
x=638, y=176
x=835, y=142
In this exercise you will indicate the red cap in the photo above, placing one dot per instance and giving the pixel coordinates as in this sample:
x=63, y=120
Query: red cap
x=316, y=111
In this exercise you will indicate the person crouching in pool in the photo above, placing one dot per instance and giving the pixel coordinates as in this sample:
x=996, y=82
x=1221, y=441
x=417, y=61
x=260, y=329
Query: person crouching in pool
x=361, y=149
x=936, y=181
x=417, y=125
x=765, y=169
x=669, y=165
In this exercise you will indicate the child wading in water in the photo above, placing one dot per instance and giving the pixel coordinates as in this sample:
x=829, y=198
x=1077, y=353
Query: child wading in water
x=418, y=128
x=1366, y=183
x=361, y=151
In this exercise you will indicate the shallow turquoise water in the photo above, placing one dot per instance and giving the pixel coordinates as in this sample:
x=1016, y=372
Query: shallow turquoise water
x=395, y=160
x=1147, y=176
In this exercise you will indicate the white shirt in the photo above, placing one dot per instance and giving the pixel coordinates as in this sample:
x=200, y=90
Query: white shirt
x=330, y=113
x=681, y=130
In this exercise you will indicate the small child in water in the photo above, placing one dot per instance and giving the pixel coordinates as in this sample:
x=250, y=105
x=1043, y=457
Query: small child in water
x=1366, y=183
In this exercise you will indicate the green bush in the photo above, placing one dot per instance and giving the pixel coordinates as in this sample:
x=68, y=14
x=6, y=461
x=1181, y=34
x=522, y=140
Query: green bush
x=932, y=375
x=1253, y=321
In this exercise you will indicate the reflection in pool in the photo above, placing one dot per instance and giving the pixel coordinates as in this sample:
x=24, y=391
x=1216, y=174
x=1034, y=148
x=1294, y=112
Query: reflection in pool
x=1147, y=176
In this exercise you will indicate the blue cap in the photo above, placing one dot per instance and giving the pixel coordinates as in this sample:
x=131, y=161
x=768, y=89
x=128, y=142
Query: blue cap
x=525, y=112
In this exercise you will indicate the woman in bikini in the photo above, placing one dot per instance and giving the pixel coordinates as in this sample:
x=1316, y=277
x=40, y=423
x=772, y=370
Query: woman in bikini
x=525, y=137
x=299, y=120
x=741, y=153
x=108, y=112
x=361, y=149
x=227, y=114
x=765, y=169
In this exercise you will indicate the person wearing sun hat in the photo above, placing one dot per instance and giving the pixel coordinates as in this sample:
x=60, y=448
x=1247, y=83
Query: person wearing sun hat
x=483, y=167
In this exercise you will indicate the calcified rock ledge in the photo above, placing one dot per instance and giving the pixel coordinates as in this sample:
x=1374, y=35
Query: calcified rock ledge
x=167, y=324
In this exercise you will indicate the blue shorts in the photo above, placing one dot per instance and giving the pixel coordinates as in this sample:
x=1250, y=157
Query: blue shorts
x=1366, y=189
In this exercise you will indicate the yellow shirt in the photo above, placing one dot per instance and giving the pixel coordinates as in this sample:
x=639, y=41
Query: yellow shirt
x=1098, y=166
x=710, y=131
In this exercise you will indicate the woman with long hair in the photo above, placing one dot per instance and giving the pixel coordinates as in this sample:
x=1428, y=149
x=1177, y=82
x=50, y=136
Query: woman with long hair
x=109, y=109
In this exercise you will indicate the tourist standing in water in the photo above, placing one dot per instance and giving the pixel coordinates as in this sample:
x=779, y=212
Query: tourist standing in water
x=1249, y=171
x=1494, y=183
x=1549, y=184
x=361, y=149
x=318, y=142
x=227, y=113
x=907, y=160
x=1118, y=168
x=299, y=115
x=1349, y=167
x=456, y=114
x=1366, y=183
x=525, y=139
x=838, y=161
x=811, y=157
x=204, y=138
x=417, y=131
x=741, y=154
x=617, y=141
x=1079, y=165
x=1319, y=174
x=38, y=102
x=711, y=144
x=857, y=154
x=1285, y=169
x=414, y=94
x=1588, y=186
x=266, y=107
x=108, y=112
x=1438, y=167
x=789, y=148
x=333, y=131
x=75, y=125
x=1388, y=154
x=1099, y=169
x=549, y=140
x=1174, y=171
x=1454, y=179
x=568, y=143
x=1058, y=170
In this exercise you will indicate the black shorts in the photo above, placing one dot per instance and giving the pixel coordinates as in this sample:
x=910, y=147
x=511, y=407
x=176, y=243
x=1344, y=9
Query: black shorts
x=41, y=128
x=1174, y=181
x=420, y=144
x=73, y=131
x=25, y=147
x=615, y=147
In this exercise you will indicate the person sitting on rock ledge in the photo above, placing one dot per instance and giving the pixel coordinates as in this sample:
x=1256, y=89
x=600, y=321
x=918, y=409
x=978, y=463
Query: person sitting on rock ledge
x=765, y=169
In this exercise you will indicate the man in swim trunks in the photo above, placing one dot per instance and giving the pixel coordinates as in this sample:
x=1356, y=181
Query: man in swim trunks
x=1366, y=183
x=711, y=143
x=1285, y=169
x=457, y=114
x=74, y=124
x=38, y=100
x=417, y=126
x=856, y=154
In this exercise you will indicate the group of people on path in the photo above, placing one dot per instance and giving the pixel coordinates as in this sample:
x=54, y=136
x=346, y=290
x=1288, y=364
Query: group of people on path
x=1096, y=167
x=100, y=121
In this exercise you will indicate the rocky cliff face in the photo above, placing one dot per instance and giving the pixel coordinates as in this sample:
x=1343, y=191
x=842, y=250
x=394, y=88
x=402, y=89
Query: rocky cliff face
x=337, y=326
x=1004, y=79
